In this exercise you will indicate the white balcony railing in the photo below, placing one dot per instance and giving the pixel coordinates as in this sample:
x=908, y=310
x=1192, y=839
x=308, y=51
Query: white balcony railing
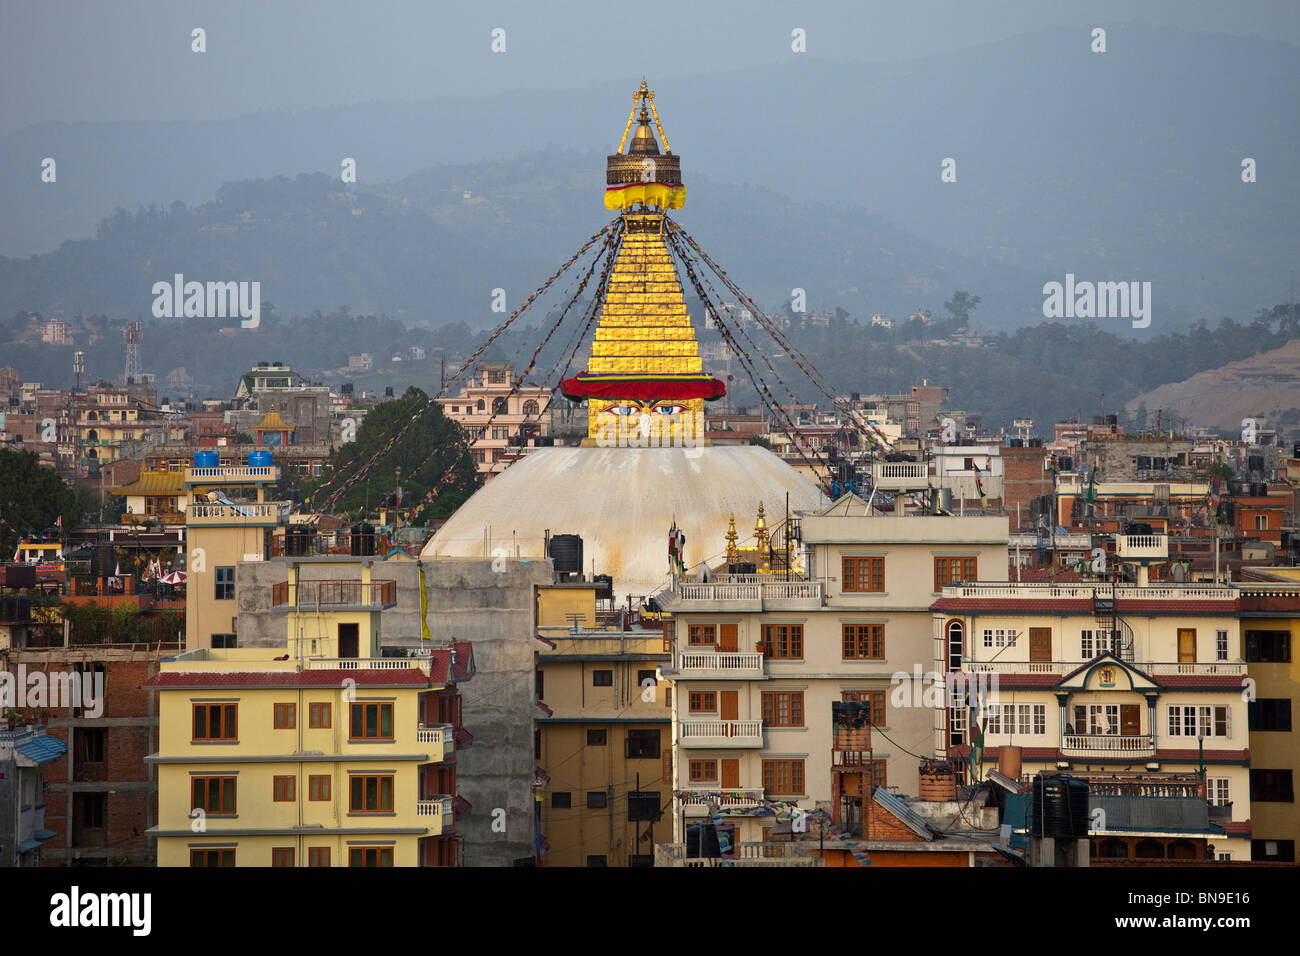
x=758, y=593
x=1202, y=668
x=429, y=735
x=233, y=472
x=1017, y=667
x=722, y=799
x=1093, y=744
x=1142, y=547
x=721, y=733
x=436, y=807
x=1041, y=591
x=364, y=663
x=899, y=475
x=265, y=512
x=719, y=664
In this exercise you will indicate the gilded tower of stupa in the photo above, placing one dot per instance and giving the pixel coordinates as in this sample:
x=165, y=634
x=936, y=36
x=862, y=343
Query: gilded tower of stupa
x=645, y=384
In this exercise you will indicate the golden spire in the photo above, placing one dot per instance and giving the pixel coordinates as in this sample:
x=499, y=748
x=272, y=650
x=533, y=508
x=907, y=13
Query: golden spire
x=761, y=539
x=733, y=552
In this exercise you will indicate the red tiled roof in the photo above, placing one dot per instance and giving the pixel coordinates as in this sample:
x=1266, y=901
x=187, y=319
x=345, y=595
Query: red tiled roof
x=463, y=737
x=1200, y=681
x=1167, y=756
x=1237, y=828
x=405, y=677
x=464, y=660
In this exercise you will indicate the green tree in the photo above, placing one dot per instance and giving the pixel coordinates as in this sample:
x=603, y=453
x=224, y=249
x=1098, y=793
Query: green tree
x=433, y=447
x=32, y=498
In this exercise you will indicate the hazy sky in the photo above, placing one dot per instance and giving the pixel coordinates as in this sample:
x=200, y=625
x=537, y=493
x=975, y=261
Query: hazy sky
x=64, y=60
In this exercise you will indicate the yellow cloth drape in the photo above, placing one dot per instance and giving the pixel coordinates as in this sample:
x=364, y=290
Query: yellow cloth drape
x=656, y=194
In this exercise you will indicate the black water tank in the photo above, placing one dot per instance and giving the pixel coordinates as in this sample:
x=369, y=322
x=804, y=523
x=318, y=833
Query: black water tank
x=103, y=561
x=363, y=540
x=297, y=540
x=604, y=586
x=566, y=552
x=1060, y=807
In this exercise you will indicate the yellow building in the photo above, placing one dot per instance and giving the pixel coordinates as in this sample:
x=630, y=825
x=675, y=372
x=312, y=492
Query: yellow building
x=1137, y=689
x=1270, y=628
x=327, y=754
x=602, y=732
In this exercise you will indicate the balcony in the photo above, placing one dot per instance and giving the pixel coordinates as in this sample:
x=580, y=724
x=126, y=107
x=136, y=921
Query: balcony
x=271, y=513
x=365, y=663
x=335, y=594
x=717, y=665
x=1142, y=547
x=899, y=475
x=437, y=812
x=1203, y=668
x=698, y=806
x=721, y=733
x=1108, y=745
x=747, y=854
x=744, y=596
x=439, y=734
x=1042, y=591
x=1019, y=667
x=231, y=473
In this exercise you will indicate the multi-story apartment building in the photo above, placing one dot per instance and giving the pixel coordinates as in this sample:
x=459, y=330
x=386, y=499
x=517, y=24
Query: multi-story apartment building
x=603, y=732
x=24, y=749
x=1270, y=628
x=1123, y=685
x=498, y=413
x=329, y=754
x=766, y=670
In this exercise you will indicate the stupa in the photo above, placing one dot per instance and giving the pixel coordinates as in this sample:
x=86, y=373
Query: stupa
x=646, y=463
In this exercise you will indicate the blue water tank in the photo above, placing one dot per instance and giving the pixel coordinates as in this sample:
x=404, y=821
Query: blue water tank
x=259, y=459
x=207, y=459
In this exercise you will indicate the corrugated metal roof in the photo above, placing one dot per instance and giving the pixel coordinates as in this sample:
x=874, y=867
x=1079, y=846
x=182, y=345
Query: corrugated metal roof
x=43, y=749
x=1165, y=814
x=905, y=815
x=154, y=483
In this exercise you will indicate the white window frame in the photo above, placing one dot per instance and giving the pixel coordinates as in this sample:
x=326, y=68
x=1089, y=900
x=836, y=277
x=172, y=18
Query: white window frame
x=1218, y=790
x=1220, y=645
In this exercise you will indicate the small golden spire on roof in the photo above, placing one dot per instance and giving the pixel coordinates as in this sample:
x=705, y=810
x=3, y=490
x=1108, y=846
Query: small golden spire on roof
x=733, y=552
x=761, y=538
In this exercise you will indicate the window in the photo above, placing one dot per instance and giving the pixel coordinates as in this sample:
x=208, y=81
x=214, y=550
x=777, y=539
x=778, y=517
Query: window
x=92, y=809
x=703, y=702
x=286, y=716
x=783, y=708
x=596, y=799
x=956, y=644
x=1190, y=721
x=223, y=640
x=783, y=777
x=318, y=787
x=561, y=800
x=318, y=856
x=1000, y=637
x=596, y=738
x=1030, y=720
x=1261, y=522
x=212, y=857
x=864, y=642
x=950, y=571
x=863, y=574
x=647, y=679
x=595, y=860
x=286, y=788
x=642, y=805
x=1271, y=786
x=372, y=721
x=602, y=678
x=1093, y=643
x=530, y=407
x=1219, y=791
x=1220, y=645
x=539, y=682
x=282, y=856
x=703, y=771
x=699, y=635
x=318, y=715
x=213, y=795
x=216, y=722
x=1270, y=713
x=371, y=793
x=225, y=584
x=370, y=856
x=498, y=406
x=1268, y=647
x=480, y=406
x=1281, y=851
x=643, y=744
x=91, y=744
x=876, y=700
x=783, y=641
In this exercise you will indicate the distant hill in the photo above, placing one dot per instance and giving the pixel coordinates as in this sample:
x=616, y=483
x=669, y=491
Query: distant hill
x=1266, y=385
x=1116, y=166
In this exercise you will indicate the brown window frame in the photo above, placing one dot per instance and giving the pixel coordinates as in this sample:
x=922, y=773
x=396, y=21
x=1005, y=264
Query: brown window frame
x=695, y=634
x=286, y=716
x=282, y=856
x=379, y=709
x=319, y=786
x=788, y=646
x=708, y=702
x=792, y=770
x=318, y=856
x=876, y=698
x=852, y=644
x=228, y=722
x=703, y=765
x=224, y=781
x=314, y=719
x=771, y=708
x=851, y=574
x=284, y=788
x=379, y=807
x=967, y=570
x=379, y=851
x=205, y=853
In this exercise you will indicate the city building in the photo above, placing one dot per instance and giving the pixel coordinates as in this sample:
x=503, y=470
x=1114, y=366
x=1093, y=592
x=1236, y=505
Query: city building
x=500, y=414
x=25, y=749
